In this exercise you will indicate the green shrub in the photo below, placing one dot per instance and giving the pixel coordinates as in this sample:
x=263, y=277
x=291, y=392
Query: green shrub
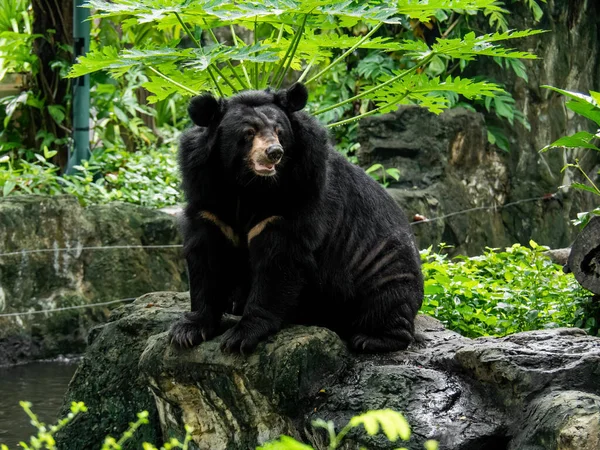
x=503, y=292
x=149, y=177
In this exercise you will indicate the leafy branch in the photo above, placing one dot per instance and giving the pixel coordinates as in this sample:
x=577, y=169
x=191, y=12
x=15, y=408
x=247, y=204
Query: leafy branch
x=310, y=35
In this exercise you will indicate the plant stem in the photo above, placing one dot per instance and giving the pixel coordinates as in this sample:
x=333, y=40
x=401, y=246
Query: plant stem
x=170, y=80
x=346, y=53
x=222, y=75
x=587, y=177
x=298, y=37
x=235, y=42
x=212, y=34
x=268, y=66
x=337, y=440
x=193, y=38
x=187, y=30
x=283, y=60
x=307, y=69
x=256, y=85
x=382, y=85
x=214, y=80
x=369, y=113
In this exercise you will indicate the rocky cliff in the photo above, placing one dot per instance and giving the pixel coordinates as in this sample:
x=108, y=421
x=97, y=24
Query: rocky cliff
x=447, y=165
x=67, y=273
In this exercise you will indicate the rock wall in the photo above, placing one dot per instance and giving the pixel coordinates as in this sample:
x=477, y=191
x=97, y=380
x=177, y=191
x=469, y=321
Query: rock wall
x=447, y=165
x=528, y=391
x=56, y=279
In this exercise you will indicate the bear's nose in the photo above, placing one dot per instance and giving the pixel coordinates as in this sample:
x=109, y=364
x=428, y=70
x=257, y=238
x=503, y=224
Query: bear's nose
x=274, y=152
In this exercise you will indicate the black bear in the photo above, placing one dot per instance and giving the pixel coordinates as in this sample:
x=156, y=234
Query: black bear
x=281, y=226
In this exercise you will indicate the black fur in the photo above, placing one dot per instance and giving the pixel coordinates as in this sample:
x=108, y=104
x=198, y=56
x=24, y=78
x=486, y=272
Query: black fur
x=341, y=253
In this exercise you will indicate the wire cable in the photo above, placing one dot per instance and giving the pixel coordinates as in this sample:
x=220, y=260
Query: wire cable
x=66, y=308
x=107, y=247
x=482, y=208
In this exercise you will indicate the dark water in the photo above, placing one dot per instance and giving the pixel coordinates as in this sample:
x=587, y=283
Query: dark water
x=41, y=383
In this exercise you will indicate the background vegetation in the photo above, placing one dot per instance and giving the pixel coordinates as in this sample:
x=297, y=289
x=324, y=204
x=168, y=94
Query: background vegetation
x=148, y=57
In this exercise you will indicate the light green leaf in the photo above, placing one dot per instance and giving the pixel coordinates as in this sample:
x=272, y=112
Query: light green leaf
x=57, y=112
x=585, y=187
x=8, y=187
x=581, y=139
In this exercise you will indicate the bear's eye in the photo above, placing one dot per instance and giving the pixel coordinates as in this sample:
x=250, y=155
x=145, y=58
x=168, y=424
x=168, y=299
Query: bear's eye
x=277, y=131
x=249, y=133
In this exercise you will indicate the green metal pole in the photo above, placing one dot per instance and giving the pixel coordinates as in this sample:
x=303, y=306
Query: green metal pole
x=81, y=89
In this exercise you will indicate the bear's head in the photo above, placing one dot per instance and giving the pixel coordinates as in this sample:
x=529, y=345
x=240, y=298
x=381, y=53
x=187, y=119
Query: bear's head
x=251, y=131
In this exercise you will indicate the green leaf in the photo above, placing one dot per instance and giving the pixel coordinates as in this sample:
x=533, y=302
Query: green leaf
x=394, y=173
x=431, y=445
x=585, y=187
x=588, y=110
x=581, y=139
x=57, y=112
x=374, y=168
x=8, y=187
x=431, y=289
x=393, y=424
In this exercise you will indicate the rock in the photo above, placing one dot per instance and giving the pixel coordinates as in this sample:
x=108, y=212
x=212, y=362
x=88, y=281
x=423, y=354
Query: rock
x=56, y=279
x=108, y=379
x=447, y=158
x=584, y=259
x=568, y=420
x=449, y=168
x=559, y=256
x=533, y=390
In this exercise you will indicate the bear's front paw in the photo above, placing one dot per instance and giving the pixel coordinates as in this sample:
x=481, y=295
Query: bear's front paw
x=192, y=329
x=243, y=337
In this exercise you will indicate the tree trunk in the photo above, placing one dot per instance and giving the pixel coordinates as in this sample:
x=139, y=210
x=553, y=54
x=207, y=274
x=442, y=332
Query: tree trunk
x=53, y=19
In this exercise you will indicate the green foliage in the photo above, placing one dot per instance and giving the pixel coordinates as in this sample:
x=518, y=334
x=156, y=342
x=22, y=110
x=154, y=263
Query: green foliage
x=393, y=425
x=381, y=174
x=503, y=292
x=16, y=38
x=45, y=437
x=149, y=178
x=587, y=106
x=45, y=434
x=270, y=39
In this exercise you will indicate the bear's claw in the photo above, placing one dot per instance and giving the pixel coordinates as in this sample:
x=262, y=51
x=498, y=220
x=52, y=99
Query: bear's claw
x=191, y=330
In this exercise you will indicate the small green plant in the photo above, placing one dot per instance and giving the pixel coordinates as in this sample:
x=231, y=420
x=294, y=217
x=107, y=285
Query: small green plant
x=391, y=423
x=504, y=292
x=587, y=106
x=381, y=174
x=45, y=434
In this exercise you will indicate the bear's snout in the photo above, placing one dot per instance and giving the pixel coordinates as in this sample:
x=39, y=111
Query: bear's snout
x=274, y=153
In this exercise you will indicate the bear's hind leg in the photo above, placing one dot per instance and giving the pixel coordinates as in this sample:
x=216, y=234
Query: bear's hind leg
x=391, y=342
x=388, y=323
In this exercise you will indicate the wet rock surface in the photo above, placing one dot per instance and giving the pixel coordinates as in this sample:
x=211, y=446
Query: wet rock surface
x=64, y=278
x=533, y=390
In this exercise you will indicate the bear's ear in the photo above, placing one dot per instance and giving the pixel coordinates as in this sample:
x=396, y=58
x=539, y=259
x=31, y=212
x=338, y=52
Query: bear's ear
x=294, y=98
x=204, y=109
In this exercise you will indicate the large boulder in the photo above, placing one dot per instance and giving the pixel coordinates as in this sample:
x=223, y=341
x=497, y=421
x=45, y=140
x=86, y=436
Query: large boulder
x=534, y=390
x=57, y=278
